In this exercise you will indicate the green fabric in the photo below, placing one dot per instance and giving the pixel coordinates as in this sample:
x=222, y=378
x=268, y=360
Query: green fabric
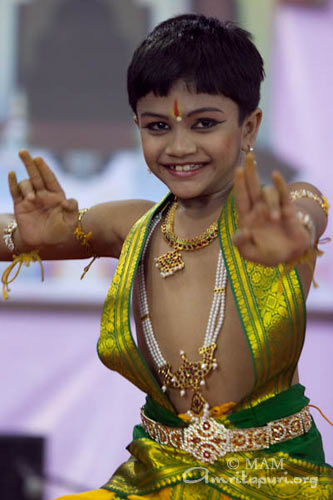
x=308, y=446
x=156, y=412
x=282, y=405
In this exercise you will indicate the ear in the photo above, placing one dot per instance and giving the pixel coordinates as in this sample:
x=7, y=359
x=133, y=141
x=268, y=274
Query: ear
x=250, y=128
x=136, y=120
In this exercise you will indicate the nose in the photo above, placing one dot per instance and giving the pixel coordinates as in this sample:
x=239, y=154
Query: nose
x=181, y=143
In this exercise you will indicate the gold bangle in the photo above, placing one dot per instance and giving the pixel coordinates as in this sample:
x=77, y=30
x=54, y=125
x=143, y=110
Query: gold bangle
x=306, y=193
x=82, y=237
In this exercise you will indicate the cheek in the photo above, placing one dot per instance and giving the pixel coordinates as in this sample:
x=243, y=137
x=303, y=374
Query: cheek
x=148, y=154
x=150, y=148
x=232, y=139
x=231, y=145
x=146, y=147
x=227, y=150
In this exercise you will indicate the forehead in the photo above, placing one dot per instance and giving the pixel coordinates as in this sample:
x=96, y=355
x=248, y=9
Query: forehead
x=187, y=98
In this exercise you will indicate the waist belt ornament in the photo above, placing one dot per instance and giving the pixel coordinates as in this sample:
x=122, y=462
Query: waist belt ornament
x=208, y=440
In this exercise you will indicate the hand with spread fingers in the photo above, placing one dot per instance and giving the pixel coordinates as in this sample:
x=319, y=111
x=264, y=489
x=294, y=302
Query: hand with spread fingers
x=270, y=232
x=43, y=214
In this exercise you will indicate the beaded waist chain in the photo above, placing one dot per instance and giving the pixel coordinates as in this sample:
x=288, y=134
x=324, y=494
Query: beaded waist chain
x=207, y=440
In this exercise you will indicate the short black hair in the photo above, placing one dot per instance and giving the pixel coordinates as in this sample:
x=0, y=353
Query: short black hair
x=211, y=56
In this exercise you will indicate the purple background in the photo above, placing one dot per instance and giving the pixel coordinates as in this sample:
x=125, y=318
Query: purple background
x=53, y=384
x=301, y=109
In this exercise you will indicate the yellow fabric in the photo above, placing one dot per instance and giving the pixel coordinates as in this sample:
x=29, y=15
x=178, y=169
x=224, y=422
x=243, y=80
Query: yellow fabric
x=270, y=304
x=247, y=475
x=215, y=411
x=272, y=311
x=271, y=307
x=116, y=347
x=90, y=495
x=179, y=493
x=165, y=494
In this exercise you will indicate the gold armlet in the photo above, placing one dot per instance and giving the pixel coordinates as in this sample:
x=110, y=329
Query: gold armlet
x=306, y=193
x=83, y=238
x=19, y=260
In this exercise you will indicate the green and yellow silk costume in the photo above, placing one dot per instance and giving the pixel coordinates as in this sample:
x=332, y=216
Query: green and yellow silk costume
x=272, y=311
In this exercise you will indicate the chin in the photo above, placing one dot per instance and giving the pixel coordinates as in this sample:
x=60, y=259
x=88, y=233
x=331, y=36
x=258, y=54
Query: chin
x=187, y=194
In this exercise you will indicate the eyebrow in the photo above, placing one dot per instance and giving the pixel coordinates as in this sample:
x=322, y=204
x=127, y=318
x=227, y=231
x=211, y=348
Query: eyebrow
x=203, y=110
x=195, y=111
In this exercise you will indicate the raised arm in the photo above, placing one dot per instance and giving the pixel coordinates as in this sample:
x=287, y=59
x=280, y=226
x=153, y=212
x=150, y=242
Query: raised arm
x=47, y=220
x=279, y=224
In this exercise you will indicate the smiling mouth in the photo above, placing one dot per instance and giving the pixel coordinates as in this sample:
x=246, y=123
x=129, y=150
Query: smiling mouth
x=186, y=168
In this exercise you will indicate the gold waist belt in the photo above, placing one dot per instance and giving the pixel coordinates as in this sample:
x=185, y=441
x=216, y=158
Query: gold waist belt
x=208, y=440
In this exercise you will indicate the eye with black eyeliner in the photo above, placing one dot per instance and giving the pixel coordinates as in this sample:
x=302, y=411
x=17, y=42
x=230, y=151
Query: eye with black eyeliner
x=206, y=123
x=157, y=126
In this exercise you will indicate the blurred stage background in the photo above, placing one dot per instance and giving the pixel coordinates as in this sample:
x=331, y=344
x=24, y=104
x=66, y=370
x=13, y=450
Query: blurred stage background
x=62, y=95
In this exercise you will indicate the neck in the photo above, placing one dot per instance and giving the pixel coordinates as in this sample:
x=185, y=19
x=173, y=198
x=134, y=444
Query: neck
x=204, y=206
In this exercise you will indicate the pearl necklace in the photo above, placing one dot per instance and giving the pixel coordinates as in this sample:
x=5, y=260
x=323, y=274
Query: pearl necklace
x=190, y=375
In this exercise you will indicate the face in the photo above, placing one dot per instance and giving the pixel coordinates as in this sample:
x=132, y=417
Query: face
x=197, y=155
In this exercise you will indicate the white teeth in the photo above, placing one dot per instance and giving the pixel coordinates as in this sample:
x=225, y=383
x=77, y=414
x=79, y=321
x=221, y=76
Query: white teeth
x=185, y=168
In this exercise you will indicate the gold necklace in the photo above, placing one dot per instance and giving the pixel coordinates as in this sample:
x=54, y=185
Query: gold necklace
x=171, y=262
x=190, y=375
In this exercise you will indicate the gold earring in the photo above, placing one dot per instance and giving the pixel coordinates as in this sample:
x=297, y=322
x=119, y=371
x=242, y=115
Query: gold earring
x=250, y=157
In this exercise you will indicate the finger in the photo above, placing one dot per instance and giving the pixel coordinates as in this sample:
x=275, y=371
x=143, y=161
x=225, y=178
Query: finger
x=241, y=193
x=291, y=221
x=241, y=237
x=33, y=172
x=70, y=205
x=27, y=189
x=252, y=179
x=282, y=188
x=49, y=179
x=247, y=247
x=247, y=250
x=271, y=197
x=296, y=229
x=14, y=188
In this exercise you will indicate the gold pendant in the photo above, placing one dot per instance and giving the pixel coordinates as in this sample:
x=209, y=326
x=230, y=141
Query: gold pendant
x=198, y=403
x=190, y=375
x=169, y=263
